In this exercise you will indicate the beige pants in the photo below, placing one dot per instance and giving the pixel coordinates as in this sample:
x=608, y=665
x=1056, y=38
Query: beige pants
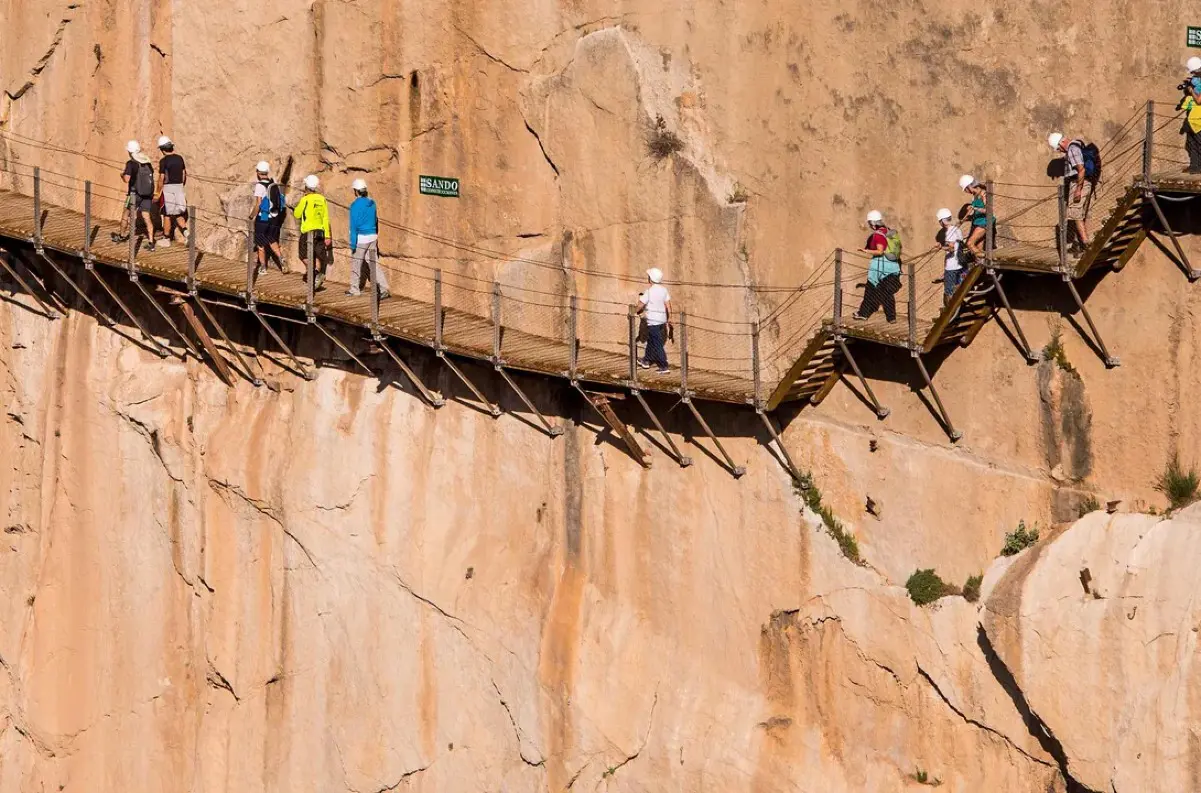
x=1078, y=209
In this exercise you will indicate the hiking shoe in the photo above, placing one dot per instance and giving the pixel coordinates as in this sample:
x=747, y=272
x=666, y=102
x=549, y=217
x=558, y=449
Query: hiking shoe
x=353, y=292
x=119, y=237
x=643, y=365
x=150, y=246
x=859, y=317
x=663, y=370
x=384, y=294
x=262, y=269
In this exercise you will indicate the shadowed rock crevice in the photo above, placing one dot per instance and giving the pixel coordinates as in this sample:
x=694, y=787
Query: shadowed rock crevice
x=44, y=61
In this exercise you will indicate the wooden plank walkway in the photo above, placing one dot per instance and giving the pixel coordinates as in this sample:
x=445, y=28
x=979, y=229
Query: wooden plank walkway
x=401, y=317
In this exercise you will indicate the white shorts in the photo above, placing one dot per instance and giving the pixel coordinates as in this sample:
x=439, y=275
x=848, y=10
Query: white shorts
x=174, y=201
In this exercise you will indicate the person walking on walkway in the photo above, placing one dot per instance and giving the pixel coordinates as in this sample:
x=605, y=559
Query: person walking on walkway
x=977, y=214
x=316, y=239
x=129, y=175
x=1191, y=105
x=1078, y=184
x=655, y=305
x=364, y=243
x=172, y=176
x=883, y=273
x=952, y=243
x=268, y=211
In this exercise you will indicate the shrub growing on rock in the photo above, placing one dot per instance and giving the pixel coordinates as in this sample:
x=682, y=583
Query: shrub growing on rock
x=925, y=587
x=1178, y=484
x=1019, y=539
x=971, y=589
x=661, y=142
x=845, y=539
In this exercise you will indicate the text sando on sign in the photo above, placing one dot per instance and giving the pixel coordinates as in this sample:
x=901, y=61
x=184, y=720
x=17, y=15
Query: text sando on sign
x=1192, y=38
x=443, y=186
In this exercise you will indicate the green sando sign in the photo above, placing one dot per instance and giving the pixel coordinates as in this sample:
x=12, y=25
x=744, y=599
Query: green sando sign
x=1193, y=37
x=443, y=186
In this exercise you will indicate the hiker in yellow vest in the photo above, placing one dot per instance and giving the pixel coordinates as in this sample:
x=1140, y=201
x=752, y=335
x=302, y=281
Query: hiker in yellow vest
x=312, y=213
x=1191, y=105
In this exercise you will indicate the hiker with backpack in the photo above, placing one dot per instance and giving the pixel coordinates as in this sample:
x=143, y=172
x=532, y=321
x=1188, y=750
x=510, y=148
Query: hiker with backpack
x=268, y=211
x=1082, y=170
x=316, y=239
x=977, y=214
x=884, y=272
x=1190, y=104
x=139, y=178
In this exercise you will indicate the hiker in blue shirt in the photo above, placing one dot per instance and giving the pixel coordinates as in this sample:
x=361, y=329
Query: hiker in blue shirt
x=364, y=243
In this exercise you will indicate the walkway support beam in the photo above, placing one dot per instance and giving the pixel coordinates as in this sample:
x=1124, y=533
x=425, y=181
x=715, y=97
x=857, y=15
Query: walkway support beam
x=735, y=469
x=1110, y=360
x=1028, y=353
x=952, y=433
x=50, y=312
x=434, y=398
x=881, y=411
x=683, y=460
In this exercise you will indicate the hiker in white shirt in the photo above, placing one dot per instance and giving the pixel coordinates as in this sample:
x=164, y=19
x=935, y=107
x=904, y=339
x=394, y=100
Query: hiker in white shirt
x=655, y=306
x=952, y=241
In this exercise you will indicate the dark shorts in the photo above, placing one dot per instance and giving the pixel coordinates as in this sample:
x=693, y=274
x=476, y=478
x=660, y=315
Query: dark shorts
x=266, y=233
x=320, y=252
x=146, y=204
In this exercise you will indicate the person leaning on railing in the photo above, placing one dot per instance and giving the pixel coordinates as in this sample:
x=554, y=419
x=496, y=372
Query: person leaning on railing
x=883, y=274
x=1190, y=103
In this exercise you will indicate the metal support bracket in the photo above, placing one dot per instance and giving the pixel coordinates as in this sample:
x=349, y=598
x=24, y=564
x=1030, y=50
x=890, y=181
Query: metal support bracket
x=952, y=433
x=680, y=458
x=1110, y=360
x=731, y=466
x=1184, y=263
x=881, y=411
x=551, y=429
x=793, y=471
x=1029, y=354
x=493, y=409
x=255, y=379
x=433, y=397
x=338, y=343
x=104, y=318
x=49, y=311
x=163, y=350
x=305, y=372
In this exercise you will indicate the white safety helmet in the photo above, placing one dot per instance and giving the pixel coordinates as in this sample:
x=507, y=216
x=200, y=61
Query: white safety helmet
x=262, y=167
x=655, y=274
x=164, y=142
x=133, y=146
x=359, y=185
x=874, y=217
x=311, y=182
x=1194, y=64
x=967, y=182
x=1054, y=139
x=944, y=214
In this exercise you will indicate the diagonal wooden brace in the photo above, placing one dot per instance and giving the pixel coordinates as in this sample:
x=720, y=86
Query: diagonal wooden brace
x=731, y=466
x=163, y=350
x=600, y=404
x=433, y=397
x=49, y=311
x=233, y=348
x=170, y=322
x=218, y=360
x=338, y=343
x=551, y=429
x=683, y=460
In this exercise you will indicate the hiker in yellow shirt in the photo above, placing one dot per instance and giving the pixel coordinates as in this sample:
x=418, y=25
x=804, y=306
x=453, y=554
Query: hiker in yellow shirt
x=1191, y=105
x=313, y=215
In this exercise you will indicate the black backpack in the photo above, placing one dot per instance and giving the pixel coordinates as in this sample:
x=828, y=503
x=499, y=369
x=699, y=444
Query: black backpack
x=144, y=181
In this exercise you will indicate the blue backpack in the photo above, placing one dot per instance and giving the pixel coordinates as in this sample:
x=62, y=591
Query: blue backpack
x=271, y=206
x=1092, y=160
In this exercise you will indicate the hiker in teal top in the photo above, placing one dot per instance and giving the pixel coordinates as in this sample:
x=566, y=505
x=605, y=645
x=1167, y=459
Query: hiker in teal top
x=978, y=213
x=883, y=273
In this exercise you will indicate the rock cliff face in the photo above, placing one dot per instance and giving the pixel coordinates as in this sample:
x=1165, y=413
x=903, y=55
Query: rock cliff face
x=326, y=586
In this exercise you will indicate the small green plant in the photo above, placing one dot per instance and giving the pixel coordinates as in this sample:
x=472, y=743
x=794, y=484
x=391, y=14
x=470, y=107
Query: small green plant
x=1054, y=351
x=845, y=539
x=925, y=587
x=661, y=142
x=971, y=589
x=1178, y=484
x=1019, y=539
x=738, y=195
x=1090, y=504
x=922, y=778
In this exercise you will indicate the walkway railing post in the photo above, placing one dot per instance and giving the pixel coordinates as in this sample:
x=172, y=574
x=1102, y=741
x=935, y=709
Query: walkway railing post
x=1148, y=142
x=912, y=305
x=837, y=290
x=573, y=352
x=990, y=232
x=757, y=379
x=683, y=354
x=633, y=345
x=250, y=268
x=87, y=225
x=192, y=250
x=375, y=291
x=37, y=208
x=1062, y=242
x=310, y=269
x=133, y=238
x=438, y=310
x=496, y=323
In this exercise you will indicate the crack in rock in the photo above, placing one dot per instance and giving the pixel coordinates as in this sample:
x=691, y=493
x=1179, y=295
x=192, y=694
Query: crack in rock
x=480, y=48
x=542, y=148
x=541, y=761
x=44, y=61
x=612, y=770
x=229, y=491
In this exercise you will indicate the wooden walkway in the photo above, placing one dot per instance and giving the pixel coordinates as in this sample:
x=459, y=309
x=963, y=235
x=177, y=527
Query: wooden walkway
x=402, y=317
